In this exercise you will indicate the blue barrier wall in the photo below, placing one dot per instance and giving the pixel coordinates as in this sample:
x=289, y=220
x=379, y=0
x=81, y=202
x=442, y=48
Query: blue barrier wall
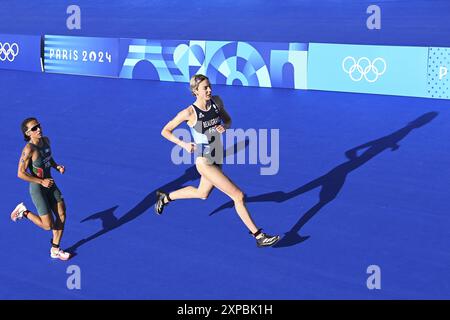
x=391, y=70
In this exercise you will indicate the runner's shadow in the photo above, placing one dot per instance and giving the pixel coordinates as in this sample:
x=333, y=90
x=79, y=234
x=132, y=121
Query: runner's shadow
x=332, y=182
x=111, y=222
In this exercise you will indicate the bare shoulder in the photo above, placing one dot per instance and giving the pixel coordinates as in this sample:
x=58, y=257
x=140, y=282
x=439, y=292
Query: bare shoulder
x=27, y=150
x=189, y=109
x=186, y=113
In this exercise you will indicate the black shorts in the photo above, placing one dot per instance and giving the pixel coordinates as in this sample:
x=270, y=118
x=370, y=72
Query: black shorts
x=212, y=155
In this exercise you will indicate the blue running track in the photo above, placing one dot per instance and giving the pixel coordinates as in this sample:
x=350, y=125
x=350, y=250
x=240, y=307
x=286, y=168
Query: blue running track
x=363, y=179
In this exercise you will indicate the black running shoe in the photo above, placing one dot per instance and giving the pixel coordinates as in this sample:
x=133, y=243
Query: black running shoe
x=264, y=240
x=159, y=205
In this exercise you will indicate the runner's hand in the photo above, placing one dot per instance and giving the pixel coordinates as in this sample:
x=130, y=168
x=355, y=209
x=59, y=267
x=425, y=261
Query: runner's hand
x=61, y=169
x=189, y=147
x=48, y=183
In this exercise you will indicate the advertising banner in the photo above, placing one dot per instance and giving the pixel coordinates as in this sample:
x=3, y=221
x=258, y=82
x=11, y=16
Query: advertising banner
x=438, y=85
x=368, y=69
x=20, y=52
x=81, y=55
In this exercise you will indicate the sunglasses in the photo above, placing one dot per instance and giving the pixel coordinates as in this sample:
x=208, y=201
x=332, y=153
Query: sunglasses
x=34, y=128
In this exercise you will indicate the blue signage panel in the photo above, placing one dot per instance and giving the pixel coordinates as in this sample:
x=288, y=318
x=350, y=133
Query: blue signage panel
x=368, y=69
x=20, y=52
x=257, y=64
x=81, y=55
x=438, y=85
x=164, y=60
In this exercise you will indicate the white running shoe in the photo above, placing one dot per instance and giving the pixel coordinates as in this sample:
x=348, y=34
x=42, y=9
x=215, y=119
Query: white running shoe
x=18, y=212
x=62, y=255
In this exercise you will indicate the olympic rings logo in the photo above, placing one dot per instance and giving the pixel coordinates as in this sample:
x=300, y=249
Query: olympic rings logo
x=364, y=68
x=8, y=51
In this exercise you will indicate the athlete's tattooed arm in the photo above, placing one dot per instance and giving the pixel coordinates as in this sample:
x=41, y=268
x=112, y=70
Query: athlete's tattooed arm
x=24, y=161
